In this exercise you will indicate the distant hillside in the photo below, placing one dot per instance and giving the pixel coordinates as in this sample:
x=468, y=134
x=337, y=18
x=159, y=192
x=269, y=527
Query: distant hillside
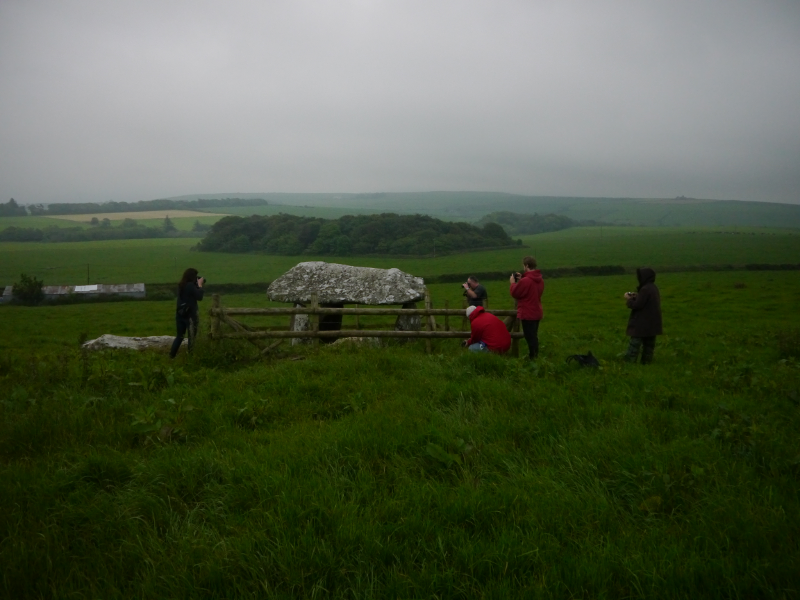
x=517, y=224
x=387, y=234
x=88, y=208
x=472, y=206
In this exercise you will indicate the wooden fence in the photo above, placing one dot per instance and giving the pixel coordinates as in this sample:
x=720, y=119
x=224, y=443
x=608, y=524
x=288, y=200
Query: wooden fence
x=220, y=315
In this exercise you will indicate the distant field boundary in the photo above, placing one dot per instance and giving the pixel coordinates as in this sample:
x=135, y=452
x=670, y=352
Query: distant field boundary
x=142, y=215
x=599, y=271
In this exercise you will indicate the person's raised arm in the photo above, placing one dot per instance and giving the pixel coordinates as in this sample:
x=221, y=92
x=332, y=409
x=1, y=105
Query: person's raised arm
x=199, y=291
x=638, y=300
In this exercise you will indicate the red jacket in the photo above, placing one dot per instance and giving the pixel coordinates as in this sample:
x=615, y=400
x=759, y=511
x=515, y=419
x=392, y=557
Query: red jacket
x=528, y=293
x=490, y=330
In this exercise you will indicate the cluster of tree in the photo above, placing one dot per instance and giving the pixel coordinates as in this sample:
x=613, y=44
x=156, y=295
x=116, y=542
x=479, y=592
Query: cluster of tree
x=128, y=230
x=518, y=224
x=388, y=233
x=84, y=208
x=28, y=290
x=12, y=209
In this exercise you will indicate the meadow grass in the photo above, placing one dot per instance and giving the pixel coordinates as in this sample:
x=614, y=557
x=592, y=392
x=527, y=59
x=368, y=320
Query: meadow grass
x=387, y=472
x=163, y=260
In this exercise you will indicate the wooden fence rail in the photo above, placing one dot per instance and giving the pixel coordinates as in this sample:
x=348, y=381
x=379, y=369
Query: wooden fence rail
x=221, y=315
x=342, y=333
x=439, y=312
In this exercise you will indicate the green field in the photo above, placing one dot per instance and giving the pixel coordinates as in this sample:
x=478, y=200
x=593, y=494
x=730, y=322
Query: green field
x=349, y=472
x=381, y=473
x=471, y=206
x=321, y=212
x=586, y=300
x=163, y=260
x=182, y=224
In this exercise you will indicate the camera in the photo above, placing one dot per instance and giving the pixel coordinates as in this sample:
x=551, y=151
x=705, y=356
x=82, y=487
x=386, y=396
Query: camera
x=199, y=277
x=517, y=276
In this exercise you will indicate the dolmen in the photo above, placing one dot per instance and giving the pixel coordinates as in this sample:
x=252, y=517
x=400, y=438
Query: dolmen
x=336, y=285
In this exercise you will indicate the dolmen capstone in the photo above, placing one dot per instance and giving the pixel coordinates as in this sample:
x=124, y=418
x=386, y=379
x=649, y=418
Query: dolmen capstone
x=336, y=285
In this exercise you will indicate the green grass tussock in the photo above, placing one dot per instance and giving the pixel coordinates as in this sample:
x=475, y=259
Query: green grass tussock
x=386, y=472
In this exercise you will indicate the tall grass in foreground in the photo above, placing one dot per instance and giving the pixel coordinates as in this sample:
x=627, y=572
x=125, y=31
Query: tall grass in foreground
x=391, y=473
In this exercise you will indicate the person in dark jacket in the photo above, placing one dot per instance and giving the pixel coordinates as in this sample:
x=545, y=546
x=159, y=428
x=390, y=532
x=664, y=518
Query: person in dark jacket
x=645, y=320
x=488, y=333
x=474, y=292
x=527, y=289
x=190, y=290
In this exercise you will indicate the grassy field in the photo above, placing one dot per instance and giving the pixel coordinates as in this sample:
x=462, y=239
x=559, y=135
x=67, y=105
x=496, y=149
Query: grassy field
x=386, y=473
x=323, y=212
x=471, y=206
x=587, y=299
x=163, y=260
x=182, y=223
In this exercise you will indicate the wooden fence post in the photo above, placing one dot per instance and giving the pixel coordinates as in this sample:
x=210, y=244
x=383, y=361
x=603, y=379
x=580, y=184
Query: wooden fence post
x=428, y=319
x=447, y=317
x=315, y=320
x=215, y=319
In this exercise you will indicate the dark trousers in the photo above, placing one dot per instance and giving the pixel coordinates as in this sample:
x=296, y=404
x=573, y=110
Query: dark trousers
x=530, y=329
x=648, y=345
x=184, y=324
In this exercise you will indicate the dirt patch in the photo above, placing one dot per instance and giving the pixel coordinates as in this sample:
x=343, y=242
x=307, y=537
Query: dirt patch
x=139, y=216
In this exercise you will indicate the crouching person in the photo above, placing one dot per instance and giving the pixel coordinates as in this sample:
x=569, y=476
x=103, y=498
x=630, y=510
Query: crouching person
x=488, y=333
x=645, y=321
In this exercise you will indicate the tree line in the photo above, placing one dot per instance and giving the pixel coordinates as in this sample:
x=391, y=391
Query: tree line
x=13, y=209
x=129, y=229
x=387, y=234
x=518, y=224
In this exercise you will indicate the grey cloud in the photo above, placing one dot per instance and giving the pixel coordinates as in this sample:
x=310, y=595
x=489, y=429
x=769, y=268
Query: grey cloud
x=137, y=100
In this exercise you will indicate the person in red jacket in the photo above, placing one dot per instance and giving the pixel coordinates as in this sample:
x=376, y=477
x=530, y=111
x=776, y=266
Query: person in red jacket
x=488, y=333
x=527, y=289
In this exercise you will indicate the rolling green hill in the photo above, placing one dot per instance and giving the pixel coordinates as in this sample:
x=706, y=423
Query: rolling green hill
x=471, y=206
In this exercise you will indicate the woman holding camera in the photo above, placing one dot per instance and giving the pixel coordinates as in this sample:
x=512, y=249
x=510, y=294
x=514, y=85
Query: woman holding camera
x=527, y=289
x=190, y=290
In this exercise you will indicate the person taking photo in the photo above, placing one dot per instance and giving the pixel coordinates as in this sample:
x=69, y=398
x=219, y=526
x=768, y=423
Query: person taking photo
x=190, y=290
x=644, y=323
x=527, y=289
x=474, y=292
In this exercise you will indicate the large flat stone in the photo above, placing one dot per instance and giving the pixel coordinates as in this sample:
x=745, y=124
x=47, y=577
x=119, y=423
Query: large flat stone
x=153, y=342
x=344, y=284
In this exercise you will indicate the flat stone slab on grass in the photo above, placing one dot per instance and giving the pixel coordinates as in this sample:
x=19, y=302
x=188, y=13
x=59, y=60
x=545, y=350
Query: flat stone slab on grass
x=344, y=284
x=153, y=342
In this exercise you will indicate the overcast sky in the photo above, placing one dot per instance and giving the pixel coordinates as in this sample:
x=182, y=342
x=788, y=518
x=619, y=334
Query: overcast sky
x=135, y=100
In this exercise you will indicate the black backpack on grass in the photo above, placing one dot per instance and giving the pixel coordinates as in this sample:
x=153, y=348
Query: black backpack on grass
x=584, y=360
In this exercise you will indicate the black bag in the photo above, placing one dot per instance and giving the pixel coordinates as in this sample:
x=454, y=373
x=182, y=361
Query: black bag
x=584, y=360
x=183, y=309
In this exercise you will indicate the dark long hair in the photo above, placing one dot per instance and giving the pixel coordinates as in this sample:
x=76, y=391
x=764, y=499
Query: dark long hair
x=189, y=276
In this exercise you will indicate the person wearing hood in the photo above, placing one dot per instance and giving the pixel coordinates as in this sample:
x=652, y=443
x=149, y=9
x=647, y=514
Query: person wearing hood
x=190, y=290
x=527, y=289
x=645, y=320
x=487, y=332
